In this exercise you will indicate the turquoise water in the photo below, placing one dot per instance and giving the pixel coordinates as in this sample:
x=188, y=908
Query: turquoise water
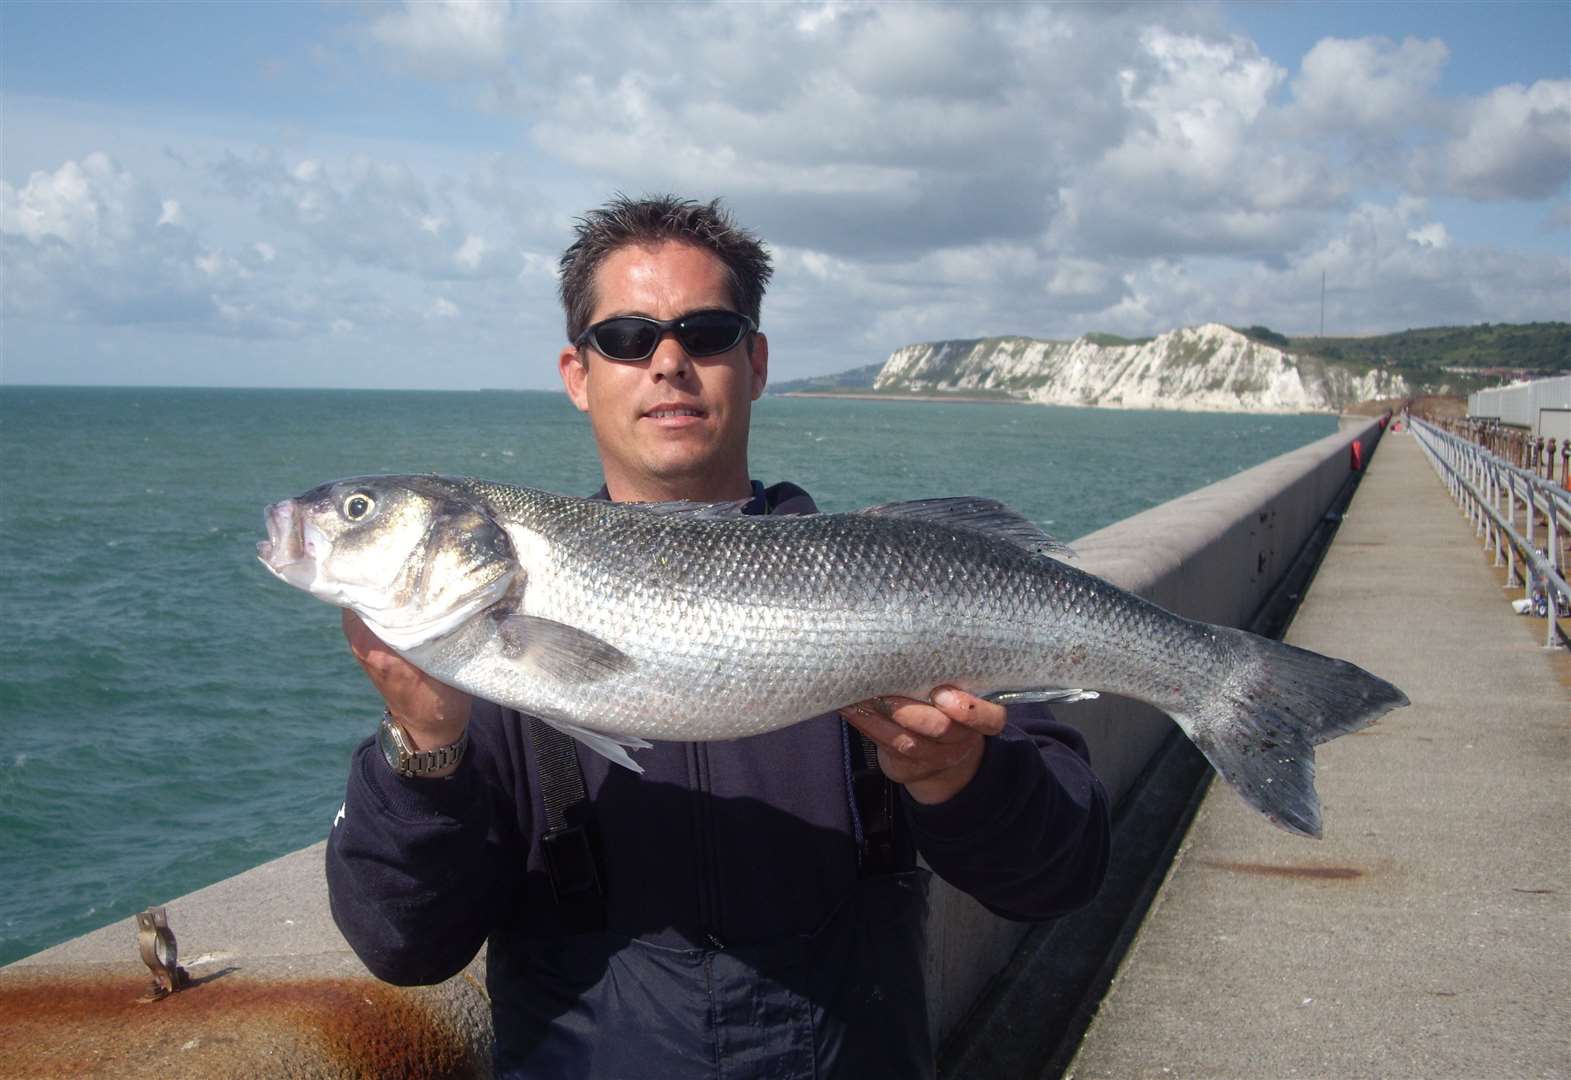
x=171, y=715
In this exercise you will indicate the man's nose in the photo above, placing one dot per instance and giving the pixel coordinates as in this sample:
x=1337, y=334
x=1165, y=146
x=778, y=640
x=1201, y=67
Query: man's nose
x=670, y=359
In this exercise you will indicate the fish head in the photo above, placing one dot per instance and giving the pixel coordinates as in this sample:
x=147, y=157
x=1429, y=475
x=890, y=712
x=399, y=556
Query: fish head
x=413, y=556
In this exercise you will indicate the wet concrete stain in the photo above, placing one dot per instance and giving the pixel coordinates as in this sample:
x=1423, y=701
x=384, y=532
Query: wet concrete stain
x=1313, y=873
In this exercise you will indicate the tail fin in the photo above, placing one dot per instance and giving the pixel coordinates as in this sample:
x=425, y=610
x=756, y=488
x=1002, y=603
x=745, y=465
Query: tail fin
x=1273, y=708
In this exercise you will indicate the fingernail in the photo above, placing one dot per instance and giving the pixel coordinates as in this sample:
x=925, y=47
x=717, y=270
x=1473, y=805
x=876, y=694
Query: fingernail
x=947, y=699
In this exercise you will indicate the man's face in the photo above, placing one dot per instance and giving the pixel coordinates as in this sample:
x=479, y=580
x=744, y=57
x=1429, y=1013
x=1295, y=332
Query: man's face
x=671, y=426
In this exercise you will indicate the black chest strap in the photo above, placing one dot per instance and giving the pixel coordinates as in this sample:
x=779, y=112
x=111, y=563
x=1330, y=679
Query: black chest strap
x=568, y=841
x=873, y=794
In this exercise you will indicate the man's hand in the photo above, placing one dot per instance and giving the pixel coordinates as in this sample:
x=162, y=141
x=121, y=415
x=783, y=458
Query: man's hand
x=432, y=713
x=933, y=749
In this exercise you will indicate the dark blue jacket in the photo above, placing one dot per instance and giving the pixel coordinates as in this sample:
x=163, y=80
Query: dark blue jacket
x=717, y=844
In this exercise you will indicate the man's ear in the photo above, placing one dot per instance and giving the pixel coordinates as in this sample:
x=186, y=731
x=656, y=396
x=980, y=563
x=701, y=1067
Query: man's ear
x=574, y=369
x=758, y=360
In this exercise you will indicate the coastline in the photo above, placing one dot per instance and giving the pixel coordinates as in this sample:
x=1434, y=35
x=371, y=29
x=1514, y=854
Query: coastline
x=868, y=395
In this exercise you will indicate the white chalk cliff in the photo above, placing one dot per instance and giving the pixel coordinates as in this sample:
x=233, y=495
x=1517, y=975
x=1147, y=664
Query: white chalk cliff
x=1210, y=368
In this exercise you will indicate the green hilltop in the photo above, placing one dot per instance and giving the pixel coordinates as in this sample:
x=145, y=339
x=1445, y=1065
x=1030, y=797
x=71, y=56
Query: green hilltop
x=1471, y=355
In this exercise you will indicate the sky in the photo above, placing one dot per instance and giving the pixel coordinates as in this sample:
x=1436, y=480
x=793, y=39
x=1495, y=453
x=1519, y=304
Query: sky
x=375, y=195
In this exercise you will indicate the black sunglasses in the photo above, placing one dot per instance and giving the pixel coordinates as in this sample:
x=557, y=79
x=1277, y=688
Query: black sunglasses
x=631, y=338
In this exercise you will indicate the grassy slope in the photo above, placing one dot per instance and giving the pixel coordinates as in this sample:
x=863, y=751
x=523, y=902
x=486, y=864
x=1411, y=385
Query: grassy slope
x=1421, y=356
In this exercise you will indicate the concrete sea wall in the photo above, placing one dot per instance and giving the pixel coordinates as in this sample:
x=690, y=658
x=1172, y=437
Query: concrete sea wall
x=277, y=991
x=1215, y=555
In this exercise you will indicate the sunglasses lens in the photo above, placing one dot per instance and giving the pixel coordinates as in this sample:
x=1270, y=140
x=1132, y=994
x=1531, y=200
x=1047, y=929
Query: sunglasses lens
x=626, y=339
x=710, y=332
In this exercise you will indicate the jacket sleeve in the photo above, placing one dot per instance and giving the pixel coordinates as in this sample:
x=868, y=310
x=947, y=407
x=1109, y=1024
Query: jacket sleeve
x=1029, y=836
x=412, y=880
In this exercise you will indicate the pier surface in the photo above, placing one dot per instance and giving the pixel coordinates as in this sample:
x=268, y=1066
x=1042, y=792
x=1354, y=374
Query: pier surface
x=1427, y=934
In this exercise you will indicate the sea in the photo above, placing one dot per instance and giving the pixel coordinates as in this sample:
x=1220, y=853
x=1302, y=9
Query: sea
x=171, y=715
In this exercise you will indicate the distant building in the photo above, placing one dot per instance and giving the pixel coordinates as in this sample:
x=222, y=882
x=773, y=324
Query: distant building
x=1542, y=406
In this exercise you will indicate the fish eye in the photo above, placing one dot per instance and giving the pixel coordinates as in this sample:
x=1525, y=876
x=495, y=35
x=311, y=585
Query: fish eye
x=358, y=506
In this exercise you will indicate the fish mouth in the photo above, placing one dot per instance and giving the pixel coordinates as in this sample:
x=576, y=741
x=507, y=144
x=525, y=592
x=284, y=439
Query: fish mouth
x=285, y=551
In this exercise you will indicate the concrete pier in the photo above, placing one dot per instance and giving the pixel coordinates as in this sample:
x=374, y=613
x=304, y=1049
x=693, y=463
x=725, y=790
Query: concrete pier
x=1427, y=934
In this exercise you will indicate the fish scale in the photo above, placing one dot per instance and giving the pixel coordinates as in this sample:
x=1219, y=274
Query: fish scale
x=620, y=623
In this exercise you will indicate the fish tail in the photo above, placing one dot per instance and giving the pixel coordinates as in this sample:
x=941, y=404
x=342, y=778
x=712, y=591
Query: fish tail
x=1275, y=704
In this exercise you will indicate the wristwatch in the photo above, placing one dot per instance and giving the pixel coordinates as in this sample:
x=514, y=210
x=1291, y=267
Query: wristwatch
x=408, y=762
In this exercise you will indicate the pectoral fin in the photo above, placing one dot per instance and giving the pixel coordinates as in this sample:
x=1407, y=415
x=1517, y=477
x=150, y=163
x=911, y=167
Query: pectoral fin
x=558, y=651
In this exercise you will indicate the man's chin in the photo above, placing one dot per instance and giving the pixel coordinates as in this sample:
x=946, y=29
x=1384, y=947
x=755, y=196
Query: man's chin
x=679, y=467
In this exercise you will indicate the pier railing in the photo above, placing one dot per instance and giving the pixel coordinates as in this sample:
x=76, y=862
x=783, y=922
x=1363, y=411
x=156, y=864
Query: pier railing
x=1489, y=489
x=1517, y=446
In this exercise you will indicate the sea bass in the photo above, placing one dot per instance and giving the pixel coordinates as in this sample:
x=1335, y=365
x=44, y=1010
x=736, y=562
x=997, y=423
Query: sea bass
x=622, y=622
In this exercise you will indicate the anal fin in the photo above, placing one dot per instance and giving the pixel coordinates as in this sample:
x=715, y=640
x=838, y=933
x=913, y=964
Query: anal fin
x=614, y=747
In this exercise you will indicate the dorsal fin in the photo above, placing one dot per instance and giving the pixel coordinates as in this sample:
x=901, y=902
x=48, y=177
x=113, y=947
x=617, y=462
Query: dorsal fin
x=987, y=516
x=733, y=508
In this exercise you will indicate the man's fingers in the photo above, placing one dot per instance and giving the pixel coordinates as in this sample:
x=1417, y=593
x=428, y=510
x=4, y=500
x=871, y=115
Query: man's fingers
x=370, y=650
x=933, y=749
x=978, y=714
x=882, y=730
x=361, y=640
x=951, y=715
x=920, y=717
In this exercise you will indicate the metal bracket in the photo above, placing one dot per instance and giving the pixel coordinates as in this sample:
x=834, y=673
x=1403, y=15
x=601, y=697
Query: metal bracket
x=157, y=943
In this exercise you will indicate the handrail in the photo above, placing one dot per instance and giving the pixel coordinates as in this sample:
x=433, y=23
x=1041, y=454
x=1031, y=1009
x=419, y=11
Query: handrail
x=1465, y=467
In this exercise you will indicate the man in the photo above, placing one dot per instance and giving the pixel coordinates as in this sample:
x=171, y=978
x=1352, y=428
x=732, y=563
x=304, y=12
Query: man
x=744, y=908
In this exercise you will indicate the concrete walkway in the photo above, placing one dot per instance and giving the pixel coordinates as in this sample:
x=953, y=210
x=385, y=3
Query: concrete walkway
x=1429, y=933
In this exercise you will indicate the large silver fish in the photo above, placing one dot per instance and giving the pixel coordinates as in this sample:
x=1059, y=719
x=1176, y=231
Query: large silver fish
x=623, y=622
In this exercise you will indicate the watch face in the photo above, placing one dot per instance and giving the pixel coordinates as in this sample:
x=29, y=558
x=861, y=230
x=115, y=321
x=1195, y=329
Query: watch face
x=391, y=745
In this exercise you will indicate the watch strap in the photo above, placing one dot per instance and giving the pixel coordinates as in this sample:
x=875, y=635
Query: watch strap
x=411, y=762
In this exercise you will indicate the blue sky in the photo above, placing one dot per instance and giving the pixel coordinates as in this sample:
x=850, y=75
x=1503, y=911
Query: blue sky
x=345, y=194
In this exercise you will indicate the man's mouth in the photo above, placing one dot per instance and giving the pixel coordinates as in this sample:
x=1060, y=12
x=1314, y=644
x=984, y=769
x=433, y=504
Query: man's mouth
x=674, y=412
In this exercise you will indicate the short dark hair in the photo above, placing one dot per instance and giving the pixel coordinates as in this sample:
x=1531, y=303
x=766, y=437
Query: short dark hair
x=653, y=220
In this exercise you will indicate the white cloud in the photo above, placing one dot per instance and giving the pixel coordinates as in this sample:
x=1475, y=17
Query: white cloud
x=1432, y=235
x=1368, y=84
x=88, y=204
x=470, y=252
x=90, y=242
x=447, y=37
x=1515, y=143
x=366, y=212
x=443, y=308
x=537, y=265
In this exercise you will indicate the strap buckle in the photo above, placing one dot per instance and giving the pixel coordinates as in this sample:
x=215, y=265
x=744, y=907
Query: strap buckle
x=570, y=862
